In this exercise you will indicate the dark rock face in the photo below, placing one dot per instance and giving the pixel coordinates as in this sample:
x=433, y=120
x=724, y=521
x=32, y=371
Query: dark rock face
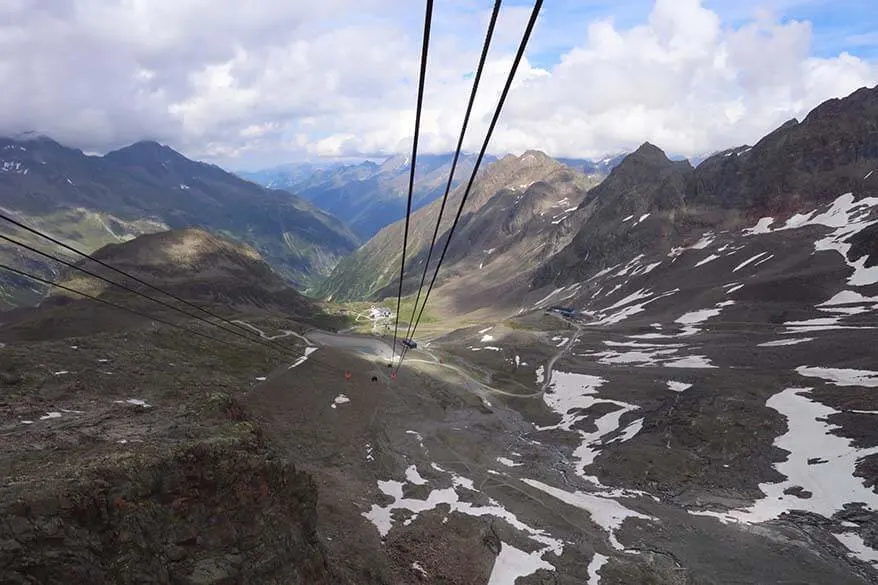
x=796, y=167
x=207, y=515
x=810, y=162
x=865, y=243
x=646, y=182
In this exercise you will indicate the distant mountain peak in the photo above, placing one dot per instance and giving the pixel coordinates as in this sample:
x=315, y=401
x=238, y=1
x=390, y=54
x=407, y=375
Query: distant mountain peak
x=647, y=159
x=148, y=144
x=394, y=163
x=31, y=136
x=650, y=150
x=535, y=157
x=146, y=148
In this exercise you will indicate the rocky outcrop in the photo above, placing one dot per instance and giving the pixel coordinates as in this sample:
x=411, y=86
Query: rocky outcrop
x=213, y=513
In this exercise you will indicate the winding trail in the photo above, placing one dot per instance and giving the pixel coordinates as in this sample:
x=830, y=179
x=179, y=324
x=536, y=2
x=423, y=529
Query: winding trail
x=263, y=335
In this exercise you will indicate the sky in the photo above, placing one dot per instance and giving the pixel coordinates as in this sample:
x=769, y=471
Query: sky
x=249, y=85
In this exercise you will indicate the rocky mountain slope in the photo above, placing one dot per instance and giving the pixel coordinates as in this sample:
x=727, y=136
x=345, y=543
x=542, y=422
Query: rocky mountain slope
x=369, y=195
x=192, y=263
x=795, y=168
x=512, y=202
x=90, y=201
x=127, y=455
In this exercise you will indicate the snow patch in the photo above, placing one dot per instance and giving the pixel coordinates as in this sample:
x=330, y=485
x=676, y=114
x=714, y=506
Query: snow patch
x=637, y=357
x=763, y=226
x=678, y=386
x=629, y=309
x=308, y=351
x=710, y=258
x=382, y=518
x=508, y=462
x=848, y=217
x=809, y=439
x=629, y=432
x=594, y=568
x=782, y=342
x=513, y=563
x=763, y=261
x=699, y=316
x=841, y=377
x=571, y=395
x=416, y=566
x=858, y=547
x=692, y=361
x=412, y=476
x=340, y=399
x=605, y=512
x=134, y=402
x=749, y=261
x=848, y=297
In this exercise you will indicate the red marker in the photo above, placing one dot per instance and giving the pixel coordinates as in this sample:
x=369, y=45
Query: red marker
x=347, y=376
x=393, y=375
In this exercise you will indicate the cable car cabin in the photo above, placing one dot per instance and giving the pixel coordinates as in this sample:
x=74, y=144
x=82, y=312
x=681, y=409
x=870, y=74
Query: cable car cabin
x=409, y=343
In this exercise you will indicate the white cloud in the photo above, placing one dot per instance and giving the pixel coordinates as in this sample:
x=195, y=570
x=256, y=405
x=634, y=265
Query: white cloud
x=262, y=82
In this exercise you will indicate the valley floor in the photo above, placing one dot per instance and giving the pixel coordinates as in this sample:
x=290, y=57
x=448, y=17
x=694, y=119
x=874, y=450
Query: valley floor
x=452, y=463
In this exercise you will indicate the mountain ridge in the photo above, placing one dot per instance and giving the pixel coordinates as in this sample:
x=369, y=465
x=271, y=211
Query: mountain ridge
x=796, y=167
x=369, y=269
x=153, y=187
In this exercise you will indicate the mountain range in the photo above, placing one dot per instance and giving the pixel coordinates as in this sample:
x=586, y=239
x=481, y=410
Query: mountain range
x=647, y=205
x=515, y=210
x=663, y=374
x=89, y=201
x=369, y=195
